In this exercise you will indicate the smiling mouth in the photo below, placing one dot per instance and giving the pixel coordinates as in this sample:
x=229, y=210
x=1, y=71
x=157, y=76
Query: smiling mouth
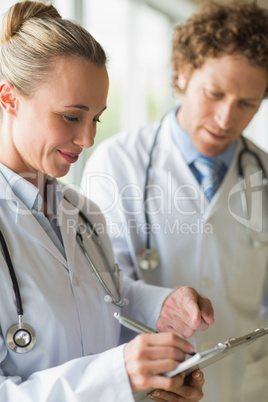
x=70, y=157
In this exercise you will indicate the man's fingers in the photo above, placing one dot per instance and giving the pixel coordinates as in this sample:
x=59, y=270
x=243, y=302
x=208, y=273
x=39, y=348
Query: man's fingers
x=199, y=310
x=207, y=310
x=184, y=312
x=178, y=327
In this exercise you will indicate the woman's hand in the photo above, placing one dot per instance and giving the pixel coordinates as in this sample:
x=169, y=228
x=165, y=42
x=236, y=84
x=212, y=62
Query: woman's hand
x=188, y=390
x=149, y=355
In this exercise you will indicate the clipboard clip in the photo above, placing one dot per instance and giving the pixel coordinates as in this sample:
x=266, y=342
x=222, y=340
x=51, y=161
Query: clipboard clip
x=247, y=338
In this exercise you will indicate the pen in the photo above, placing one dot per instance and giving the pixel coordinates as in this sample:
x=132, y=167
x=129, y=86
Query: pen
x=133, y=324
x=137, y=326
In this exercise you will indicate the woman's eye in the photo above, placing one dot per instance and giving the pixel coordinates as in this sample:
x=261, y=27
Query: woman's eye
x=70, y=119
x=96, y=119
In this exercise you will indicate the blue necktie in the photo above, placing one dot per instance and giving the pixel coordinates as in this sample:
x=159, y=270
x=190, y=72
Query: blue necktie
x=209, y=172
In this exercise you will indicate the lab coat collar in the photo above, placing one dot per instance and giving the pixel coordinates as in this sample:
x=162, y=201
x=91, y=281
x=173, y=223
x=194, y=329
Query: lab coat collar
x=23, y=217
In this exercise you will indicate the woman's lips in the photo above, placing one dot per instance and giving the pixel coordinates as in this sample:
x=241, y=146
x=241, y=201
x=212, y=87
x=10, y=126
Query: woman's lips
x=70, y=157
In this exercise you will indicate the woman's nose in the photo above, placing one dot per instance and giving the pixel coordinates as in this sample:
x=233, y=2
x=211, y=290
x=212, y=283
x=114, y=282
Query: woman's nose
x=85, y=138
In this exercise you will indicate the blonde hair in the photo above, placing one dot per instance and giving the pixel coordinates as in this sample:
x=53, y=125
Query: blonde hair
x=33, y=36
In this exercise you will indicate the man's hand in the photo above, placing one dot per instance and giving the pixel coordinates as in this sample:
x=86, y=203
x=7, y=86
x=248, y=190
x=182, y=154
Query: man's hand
x=184, y=312
x=191, y=390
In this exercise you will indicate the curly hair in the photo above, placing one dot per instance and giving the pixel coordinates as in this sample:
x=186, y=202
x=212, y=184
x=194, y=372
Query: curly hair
x=217, y=29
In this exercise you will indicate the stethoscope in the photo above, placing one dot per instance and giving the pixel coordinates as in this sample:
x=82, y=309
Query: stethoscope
x=21, y=337
x=148, y=258
x=114, y=271
x=245, y=207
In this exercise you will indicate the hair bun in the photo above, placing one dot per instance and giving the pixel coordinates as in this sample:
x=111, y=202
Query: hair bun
x=20, y=12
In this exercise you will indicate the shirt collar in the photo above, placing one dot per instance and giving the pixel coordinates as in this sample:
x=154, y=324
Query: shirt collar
x=29, y=194
x=22, y=188
x=185, y=145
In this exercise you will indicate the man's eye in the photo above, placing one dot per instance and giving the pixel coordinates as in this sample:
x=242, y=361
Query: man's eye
x=248, y=104
x=214, y=95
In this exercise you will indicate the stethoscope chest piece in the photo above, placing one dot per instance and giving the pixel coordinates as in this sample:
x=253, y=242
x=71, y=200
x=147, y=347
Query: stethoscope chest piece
x=148, y=259
x=20, y=339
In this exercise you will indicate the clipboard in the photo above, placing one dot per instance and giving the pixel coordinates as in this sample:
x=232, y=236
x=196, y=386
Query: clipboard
x=221, y=350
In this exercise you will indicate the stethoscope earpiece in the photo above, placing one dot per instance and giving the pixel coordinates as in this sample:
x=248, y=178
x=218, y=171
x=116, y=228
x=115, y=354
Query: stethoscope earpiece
x=148, y=259
x=20, y=338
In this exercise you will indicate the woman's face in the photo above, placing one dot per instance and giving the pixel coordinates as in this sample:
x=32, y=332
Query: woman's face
x=51, y=128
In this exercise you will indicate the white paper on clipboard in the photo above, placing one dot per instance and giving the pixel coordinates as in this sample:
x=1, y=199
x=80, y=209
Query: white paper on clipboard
x=204, y=359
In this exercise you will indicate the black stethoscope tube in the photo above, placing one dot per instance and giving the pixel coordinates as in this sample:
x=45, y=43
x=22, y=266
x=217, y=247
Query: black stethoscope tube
x=86, y=220
x=244, y=151
x=20, y=337
x=145, y=193
x=12, y=275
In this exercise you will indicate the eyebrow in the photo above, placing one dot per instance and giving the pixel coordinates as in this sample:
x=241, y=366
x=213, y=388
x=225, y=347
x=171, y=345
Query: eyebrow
x=218, y=89
x=83, y=107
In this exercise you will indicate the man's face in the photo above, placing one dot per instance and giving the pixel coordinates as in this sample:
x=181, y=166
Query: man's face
x=220, y=99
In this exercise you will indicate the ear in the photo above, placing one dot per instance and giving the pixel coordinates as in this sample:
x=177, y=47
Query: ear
x=8, y=97
x=184, y=74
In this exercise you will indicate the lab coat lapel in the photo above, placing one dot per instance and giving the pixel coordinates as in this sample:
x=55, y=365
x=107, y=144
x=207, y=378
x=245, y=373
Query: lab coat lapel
x=24, y=218
x=35, y=230
x=68, y=215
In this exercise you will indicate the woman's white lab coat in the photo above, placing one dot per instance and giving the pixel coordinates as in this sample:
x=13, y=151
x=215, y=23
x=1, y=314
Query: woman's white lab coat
x=75, y=357
x=202, y=245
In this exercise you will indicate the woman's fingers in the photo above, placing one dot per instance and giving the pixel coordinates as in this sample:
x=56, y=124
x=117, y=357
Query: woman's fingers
x=150, y=355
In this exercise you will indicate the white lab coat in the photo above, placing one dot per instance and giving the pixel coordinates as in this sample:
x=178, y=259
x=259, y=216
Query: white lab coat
x=201, y=244
x=75, y=358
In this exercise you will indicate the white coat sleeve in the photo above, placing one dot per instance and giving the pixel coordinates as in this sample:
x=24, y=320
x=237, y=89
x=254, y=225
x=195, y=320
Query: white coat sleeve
x=100, y=377
x=146, y=300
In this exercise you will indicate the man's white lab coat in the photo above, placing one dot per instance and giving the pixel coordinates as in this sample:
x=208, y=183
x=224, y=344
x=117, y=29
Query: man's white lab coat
x=203, y=245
